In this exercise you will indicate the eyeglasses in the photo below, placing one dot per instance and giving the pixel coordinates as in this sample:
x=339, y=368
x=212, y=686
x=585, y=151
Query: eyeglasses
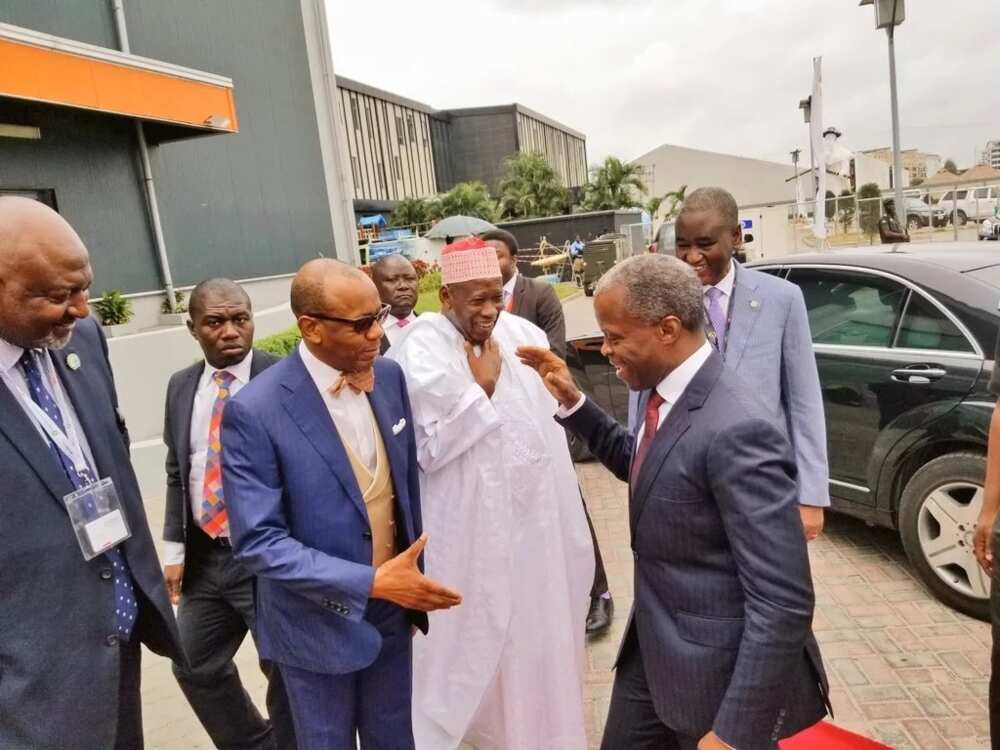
x=360, y=325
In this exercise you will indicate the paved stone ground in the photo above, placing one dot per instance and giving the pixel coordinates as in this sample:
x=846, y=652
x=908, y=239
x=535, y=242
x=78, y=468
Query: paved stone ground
x=903, y=668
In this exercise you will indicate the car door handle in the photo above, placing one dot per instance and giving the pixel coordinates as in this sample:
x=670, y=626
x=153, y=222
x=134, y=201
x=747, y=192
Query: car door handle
x=918, y=374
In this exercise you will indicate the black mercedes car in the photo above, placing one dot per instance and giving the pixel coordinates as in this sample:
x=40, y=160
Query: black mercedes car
x=904, y=339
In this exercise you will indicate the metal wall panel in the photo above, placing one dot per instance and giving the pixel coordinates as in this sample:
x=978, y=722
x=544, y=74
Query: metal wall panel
x=87, y=21
x=255, y=203
x=90, y=161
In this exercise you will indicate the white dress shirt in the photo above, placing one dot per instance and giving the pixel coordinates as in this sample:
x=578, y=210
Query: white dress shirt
x=13, y=378
x=725, y=286
x=201, y=420
x=393, y=327
x=671, y=388
x=350, y=411
x=508, y=289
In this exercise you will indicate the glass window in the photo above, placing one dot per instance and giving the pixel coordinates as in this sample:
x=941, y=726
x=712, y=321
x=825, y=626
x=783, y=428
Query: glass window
x=355, y=114
x=924, y=326
x=983, y=192
x=850, y=309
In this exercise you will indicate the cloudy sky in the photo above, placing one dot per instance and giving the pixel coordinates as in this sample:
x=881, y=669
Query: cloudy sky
x=721, y=75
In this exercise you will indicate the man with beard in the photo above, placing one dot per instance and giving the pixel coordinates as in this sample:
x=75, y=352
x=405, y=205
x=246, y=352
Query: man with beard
x=396, y=281
x=500, y=501
x=71, y=620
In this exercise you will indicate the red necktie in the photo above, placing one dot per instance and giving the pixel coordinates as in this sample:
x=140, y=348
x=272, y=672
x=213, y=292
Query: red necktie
x=650, y=425
x=402, y=322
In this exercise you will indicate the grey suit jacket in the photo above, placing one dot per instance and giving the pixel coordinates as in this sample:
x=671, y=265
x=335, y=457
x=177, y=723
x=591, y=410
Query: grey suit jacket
x=769, y=347
x=536, y=302
x=177, y=437
x=58, y=662
x=723, y=594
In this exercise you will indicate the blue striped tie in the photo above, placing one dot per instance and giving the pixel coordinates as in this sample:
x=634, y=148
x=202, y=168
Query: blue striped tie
x=126, y=608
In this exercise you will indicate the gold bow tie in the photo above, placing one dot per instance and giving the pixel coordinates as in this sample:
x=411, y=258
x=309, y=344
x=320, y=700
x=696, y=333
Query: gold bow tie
x=359, y=382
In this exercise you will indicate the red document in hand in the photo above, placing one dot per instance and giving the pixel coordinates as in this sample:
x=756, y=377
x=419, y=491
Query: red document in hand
x=826, y=736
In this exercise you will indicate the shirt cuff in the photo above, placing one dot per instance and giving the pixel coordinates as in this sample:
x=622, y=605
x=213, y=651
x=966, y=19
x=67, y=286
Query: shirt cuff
x=173, y=553
x=564, y=413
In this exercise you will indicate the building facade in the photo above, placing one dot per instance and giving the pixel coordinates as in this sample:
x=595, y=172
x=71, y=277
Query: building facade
x=400, y=148
x=917, y=164
x=232, y=105
x=991, y=155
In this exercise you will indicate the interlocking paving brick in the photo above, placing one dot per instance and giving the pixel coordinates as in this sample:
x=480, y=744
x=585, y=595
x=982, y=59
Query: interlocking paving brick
x=904, y=669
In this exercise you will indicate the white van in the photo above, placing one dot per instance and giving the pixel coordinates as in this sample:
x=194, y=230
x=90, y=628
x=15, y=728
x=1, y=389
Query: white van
x=971, y=204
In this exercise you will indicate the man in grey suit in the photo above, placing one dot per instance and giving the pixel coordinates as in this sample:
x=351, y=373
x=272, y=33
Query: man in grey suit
x=70, y=628
x=759, y=326
x=215, y=593
x=718, y=652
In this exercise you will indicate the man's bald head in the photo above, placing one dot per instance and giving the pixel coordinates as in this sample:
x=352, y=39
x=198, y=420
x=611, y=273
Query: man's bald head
x=44, y=275
x=317, y=283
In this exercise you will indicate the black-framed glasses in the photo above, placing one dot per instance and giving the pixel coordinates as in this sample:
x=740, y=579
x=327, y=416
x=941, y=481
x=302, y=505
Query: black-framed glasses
x=360, y=325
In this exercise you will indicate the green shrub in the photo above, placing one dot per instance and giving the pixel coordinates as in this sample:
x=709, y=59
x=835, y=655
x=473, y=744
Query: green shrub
x=280, y=344
x=429, y=282
x=114, y=308
x=180, y=304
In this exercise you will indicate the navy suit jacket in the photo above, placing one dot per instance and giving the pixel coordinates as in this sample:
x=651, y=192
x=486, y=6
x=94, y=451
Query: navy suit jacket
x=298, y=520
x=58, y=662
x=723, y=596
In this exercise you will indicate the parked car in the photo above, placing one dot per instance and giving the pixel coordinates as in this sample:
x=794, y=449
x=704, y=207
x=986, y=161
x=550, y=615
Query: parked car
x=904, y=339
x=990, y=229
x=974, y=203
x=919, y=214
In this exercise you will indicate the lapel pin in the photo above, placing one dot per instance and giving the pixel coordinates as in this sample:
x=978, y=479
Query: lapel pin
x=754, y=304
x=398, y=427
x=73, y=361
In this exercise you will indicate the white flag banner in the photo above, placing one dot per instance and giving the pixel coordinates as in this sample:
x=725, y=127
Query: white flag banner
x=819, y=152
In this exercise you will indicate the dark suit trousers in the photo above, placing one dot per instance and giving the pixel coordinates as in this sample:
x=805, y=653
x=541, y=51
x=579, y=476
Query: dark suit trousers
x=600, y=585
x=214, y=616
x=372, y=704
x=128, y=735
x=632, y=721
x=995, y=661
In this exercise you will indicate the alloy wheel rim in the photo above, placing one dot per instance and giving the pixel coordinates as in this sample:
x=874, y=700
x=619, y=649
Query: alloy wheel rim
x=945, y=526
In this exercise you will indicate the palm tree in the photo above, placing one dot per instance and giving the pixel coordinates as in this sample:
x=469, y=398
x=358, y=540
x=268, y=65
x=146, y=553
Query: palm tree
x=468, y=199
x=530, y=187
x=614, y=184
x=676, y=198
x=410, y=211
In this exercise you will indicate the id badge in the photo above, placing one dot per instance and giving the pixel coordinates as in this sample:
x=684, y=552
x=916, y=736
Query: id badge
x=97, y=517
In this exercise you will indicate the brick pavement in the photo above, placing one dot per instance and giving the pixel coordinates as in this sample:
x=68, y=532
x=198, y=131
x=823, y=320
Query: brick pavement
x=903, y=668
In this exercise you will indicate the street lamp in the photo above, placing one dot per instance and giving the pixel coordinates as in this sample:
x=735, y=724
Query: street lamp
x=888, y=15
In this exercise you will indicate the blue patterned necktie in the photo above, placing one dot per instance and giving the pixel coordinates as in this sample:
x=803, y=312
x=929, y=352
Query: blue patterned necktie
x=126, y=608
x=717, y=317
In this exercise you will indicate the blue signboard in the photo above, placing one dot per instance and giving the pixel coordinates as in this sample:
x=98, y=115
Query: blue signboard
x=747, y=223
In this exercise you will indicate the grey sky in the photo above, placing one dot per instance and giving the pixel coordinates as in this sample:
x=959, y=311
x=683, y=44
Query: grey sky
x=722, y=75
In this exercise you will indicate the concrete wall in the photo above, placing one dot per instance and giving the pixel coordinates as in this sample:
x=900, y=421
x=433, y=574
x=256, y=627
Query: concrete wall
x=749, y=180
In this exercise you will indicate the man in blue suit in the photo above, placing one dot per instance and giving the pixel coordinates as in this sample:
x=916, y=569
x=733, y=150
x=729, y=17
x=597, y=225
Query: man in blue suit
x=718, y=652
x=759, y=326
x=320, y=473
x=70, y=627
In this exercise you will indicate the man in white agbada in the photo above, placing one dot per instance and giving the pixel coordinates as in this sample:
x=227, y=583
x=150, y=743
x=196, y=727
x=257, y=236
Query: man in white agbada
x=500, y=500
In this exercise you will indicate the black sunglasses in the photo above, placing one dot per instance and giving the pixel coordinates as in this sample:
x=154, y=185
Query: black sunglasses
x=360, y=325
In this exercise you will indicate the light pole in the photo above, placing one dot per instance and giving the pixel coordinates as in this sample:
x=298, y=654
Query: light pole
x=888, y=15
x=795, y=186
x=806, y=106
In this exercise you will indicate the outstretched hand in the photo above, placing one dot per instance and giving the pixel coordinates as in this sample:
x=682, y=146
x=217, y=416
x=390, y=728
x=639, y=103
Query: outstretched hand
x=400, y=581
x=554, y=373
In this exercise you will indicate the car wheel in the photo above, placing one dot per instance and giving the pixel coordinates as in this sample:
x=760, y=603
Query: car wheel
x=962, y=218
x=913, y=222
x=578, y=449
x=937, y=516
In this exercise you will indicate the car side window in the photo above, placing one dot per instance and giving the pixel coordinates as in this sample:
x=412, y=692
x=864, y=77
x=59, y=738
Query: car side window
x=924, y=326
x=982, y=193
x=848, y=308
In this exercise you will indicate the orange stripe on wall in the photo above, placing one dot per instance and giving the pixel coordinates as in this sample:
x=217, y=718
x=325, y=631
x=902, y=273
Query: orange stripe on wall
x=45, y=75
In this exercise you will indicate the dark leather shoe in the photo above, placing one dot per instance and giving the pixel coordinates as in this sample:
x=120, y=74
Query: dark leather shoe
x=602, y=610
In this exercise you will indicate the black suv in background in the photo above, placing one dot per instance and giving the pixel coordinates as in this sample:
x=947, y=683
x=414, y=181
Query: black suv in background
x=904, y=339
